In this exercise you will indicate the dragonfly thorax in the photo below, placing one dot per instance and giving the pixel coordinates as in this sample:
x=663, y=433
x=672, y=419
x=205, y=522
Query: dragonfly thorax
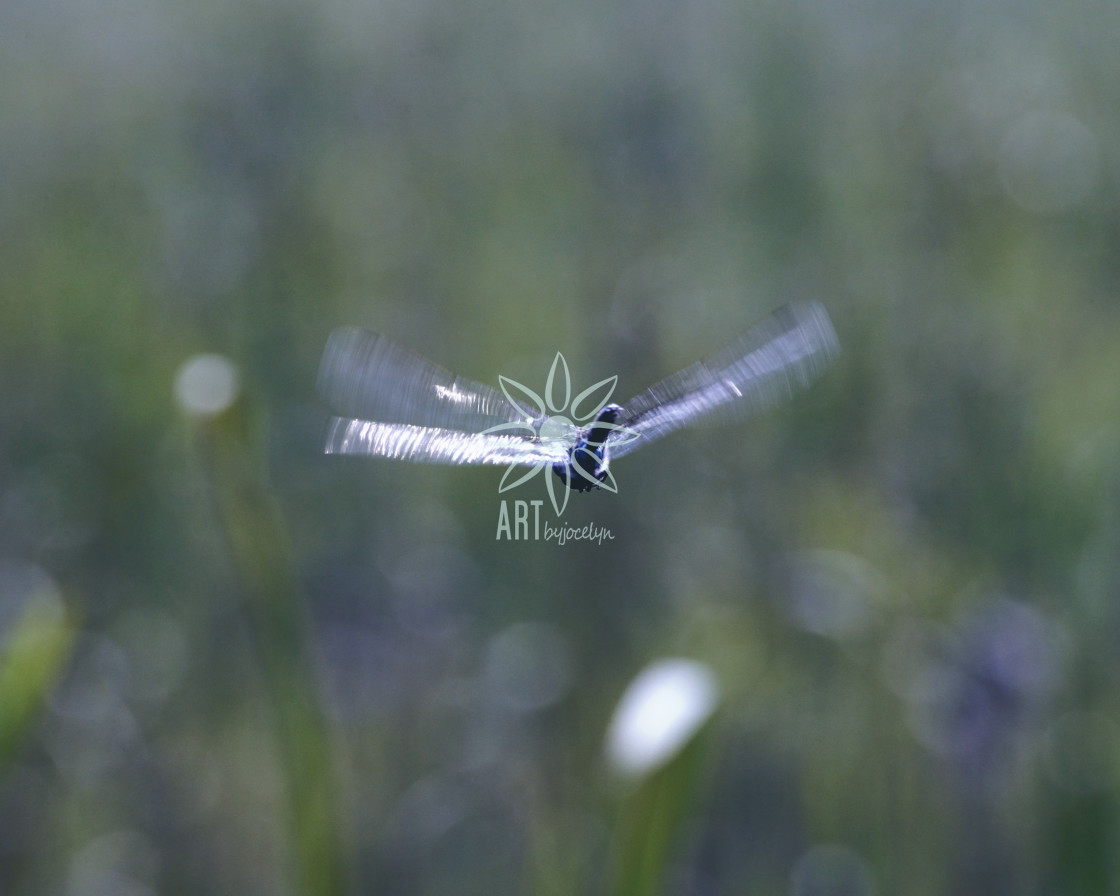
x=587, y=461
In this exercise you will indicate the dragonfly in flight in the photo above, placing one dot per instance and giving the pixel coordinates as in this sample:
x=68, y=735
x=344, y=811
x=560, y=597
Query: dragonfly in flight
x=394, y=403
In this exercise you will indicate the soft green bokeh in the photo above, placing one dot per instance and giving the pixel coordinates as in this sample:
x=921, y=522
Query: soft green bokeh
x=269, y=671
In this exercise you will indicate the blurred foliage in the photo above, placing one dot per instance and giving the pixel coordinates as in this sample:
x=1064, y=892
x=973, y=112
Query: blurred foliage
x=36, y=647
x=283, y=669
x=283, y=646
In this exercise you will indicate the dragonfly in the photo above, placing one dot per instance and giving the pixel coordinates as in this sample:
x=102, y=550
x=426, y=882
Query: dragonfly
x=394, y=403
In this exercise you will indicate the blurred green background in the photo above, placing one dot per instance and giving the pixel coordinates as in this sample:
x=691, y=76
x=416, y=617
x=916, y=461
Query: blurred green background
x=229, y=664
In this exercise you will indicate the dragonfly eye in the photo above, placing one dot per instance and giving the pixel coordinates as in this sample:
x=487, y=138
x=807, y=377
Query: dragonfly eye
x=609, y=414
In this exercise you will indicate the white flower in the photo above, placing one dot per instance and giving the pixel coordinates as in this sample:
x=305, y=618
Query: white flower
x=206, y=384
x=659, y=713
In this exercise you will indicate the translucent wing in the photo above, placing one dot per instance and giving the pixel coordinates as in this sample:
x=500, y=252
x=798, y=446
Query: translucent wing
x=401, y=405
x=783, y=352
x=369, y=376
x=433, y=445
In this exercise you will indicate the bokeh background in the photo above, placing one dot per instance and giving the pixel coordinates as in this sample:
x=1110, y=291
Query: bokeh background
x=229, y=664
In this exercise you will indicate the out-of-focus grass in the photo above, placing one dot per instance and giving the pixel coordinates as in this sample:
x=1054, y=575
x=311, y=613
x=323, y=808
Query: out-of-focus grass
x=906, y=578
x=654, y=743
x=34, y=652
x=652, y=820
x=262, y=556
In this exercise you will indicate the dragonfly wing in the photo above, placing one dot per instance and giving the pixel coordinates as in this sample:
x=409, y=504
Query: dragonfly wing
x=369, y=376
x=783, y=352
x=427, y=444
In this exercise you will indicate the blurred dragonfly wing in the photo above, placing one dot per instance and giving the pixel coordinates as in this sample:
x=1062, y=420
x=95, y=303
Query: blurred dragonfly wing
x=370, y=376
x=781, y=353
x=426, y=444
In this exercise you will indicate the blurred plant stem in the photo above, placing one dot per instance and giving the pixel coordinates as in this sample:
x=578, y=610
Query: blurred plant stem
x=651, y=817
x=34, y=655
x=261, y=552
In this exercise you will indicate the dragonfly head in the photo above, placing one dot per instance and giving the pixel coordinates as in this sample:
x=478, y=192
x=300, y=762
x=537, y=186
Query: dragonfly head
x=611, y=413
x=596, y=433
x=586, y=465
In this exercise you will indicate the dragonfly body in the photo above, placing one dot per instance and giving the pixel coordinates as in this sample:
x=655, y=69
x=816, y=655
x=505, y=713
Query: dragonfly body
x=394, y=403
x=587, y=464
